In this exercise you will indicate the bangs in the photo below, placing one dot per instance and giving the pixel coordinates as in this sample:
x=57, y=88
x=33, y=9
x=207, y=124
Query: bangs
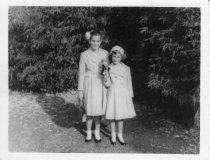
x=123, y=56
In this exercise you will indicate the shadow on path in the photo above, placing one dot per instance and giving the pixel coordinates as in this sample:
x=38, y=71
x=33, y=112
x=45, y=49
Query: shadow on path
x=66, y=114
x=149, y=132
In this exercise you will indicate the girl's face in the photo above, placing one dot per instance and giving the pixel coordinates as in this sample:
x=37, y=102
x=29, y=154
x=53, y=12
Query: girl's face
x=116, y=58
x=95, y=42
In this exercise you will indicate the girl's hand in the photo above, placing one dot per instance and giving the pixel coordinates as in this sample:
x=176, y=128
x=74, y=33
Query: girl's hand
x=105, y=73
x=80, y=94
x=106, y=80
x=104, y=62
x=80, y=98
x=80, y=103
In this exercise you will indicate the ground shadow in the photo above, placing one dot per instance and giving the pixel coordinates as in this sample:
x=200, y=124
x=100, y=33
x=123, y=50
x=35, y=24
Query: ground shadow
x=62, y=113
x=66, y=114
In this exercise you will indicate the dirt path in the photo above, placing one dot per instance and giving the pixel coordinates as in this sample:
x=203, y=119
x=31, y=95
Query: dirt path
x=40, y=123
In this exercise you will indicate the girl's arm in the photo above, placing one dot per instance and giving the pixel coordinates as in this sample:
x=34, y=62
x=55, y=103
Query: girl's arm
x=81, y=76
x=107, y=59
x=107, y=79
x=129, y=82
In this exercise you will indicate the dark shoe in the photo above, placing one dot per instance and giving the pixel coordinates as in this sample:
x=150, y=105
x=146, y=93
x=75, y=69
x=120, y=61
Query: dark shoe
x=112, y=142
x=97, y=140
x=122, y=143
x=88, y=140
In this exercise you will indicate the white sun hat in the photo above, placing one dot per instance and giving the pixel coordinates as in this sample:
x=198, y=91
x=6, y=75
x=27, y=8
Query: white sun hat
x=118, y=48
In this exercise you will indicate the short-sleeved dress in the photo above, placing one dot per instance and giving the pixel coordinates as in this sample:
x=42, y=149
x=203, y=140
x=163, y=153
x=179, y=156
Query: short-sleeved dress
x=120, y=93
x=90, y=81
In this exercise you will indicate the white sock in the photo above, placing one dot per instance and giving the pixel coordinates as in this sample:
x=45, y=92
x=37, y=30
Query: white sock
x=113, y=136
x=120, y=137
x=97, y=134
x=89, y=134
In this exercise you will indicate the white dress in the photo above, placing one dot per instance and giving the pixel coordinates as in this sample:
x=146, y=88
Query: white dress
x=120, y=93
x=90, y=81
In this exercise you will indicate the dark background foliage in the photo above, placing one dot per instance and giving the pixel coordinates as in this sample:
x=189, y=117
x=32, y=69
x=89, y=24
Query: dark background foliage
x=162, y=46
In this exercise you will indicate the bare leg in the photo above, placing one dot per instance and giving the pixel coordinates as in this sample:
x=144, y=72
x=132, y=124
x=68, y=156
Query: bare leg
x=89, y=125
x=113, y=133
x=120, y=130
x=97, y=127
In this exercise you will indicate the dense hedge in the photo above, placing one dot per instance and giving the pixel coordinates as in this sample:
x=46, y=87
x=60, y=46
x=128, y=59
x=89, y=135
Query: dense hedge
x=44, y=45
x=162, y=44
x=164, y=53
x=174, y=62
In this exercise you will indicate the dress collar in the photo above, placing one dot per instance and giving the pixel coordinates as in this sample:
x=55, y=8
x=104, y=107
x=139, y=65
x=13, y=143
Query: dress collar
x=117, y=69
x=93, y=56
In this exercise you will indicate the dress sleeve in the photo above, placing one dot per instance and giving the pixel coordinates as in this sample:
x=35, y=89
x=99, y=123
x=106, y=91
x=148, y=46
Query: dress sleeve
x=81, y=72
x=129, y=82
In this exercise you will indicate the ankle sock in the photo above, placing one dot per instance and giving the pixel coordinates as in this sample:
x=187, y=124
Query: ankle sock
x=113, y=136
x=89, y=134
x=97, y=134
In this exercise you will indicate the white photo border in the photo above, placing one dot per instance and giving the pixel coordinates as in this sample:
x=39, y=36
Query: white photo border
x=204, y=79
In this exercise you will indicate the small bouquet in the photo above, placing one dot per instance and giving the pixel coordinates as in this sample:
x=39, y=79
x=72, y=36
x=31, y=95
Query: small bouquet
x=105, y=74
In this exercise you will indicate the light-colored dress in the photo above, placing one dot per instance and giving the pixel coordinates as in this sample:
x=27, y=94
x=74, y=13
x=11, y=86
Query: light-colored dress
x=90, y=81
x=120, y=93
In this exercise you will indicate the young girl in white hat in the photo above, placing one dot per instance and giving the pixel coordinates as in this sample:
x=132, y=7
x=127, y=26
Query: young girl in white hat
x=120, y=92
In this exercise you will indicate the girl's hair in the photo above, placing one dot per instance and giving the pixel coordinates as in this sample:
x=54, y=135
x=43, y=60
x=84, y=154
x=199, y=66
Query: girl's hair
x=95, y=33
x=123, y=56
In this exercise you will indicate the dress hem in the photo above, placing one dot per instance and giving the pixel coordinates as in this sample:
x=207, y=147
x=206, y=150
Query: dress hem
x=96, y=115
x=120, y=118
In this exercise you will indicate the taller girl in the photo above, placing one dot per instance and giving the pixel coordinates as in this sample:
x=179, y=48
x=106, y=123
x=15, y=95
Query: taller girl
x=91, y=90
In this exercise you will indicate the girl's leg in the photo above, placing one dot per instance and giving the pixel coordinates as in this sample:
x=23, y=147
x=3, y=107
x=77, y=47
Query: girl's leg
x=113, y=133
x=120, y=131
x=89, y=122
x=97, y=127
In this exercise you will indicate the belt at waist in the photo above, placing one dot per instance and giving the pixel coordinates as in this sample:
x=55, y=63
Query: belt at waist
x=92, y=73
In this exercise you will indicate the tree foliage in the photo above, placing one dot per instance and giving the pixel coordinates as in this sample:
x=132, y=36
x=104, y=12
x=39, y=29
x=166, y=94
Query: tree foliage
x=44, y=45
x=171, y=37
x=174, y=63
x=162, y=45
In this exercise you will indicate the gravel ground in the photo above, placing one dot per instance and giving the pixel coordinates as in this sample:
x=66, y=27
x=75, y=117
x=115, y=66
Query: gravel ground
x=48, y=123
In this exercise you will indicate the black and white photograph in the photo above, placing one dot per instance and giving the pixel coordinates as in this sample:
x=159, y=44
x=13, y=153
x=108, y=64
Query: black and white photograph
x=104, y=79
